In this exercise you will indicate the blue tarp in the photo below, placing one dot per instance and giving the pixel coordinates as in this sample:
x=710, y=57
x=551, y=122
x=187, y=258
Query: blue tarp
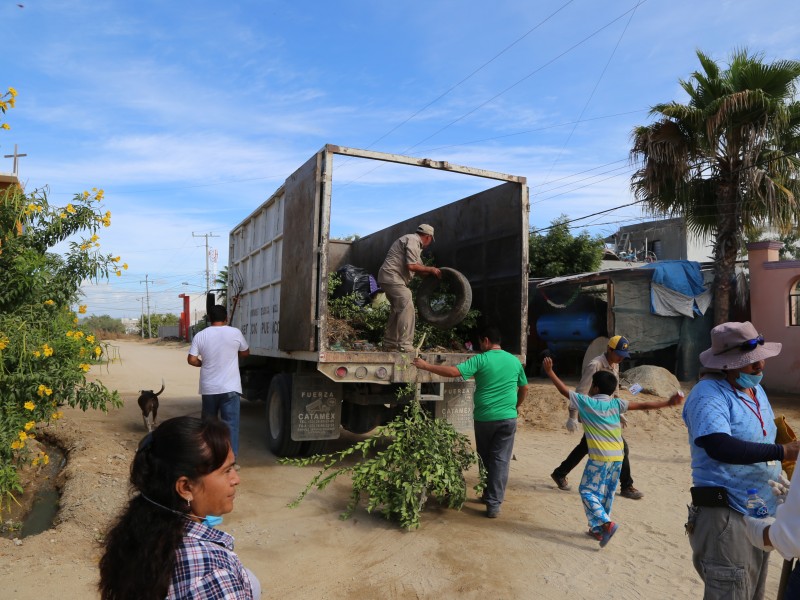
x=685, y=279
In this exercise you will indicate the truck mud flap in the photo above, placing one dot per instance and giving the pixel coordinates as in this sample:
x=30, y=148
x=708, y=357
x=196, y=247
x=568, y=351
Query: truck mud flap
x=316, y=408
x=456, y=407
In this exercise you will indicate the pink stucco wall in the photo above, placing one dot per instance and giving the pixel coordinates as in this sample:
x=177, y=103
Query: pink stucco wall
x=770, y=282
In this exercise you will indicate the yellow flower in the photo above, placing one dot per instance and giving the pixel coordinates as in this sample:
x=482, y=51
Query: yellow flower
x=90, y=339
x=85, y=195
x=85, y=367
x=100, y=194
x=94, y=238
x=13, y=92
x=47, y=350
x=78, y=335
x=57, y=415
x=23, y=436
x=82, y=309
x=5, y=126
x=3, y=342
x=49, y=302
x=118, y=273
x=98, y=351
x=106, y=222
x=70, y=333
x=62, y=215
x=116, y=259
x=17, y=445
x=29, y=405
x=30, y=425
x=35, y=461
x=125, y=266
x=75, y=320
x=70, y=209
x=82, y=352
x=36, y=353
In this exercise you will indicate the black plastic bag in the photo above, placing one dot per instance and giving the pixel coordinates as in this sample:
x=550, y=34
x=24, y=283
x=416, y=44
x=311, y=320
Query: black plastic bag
x=355, y=280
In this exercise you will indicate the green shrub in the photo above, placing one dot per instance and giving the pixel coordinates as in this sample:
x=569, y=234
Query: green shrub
x=424, y=457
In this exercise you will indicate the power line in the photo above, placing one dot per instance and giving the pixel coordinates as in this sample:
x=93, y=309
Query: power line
x=528, y=76
x=594, y=89
x=474, y=72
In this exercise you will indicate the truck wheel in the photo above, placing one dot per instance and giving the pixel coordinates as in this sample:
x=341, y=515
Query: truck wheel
x=313, y=447
x=444, y=318
x=279, y=414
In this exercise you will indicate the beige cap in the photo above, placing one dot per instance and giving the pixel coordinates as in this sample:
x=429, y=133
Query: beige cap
x=425, y=229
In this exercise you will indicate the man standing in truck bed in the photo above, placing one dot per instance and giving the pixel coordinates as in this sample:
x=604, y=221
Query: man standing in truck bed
x=402, y=261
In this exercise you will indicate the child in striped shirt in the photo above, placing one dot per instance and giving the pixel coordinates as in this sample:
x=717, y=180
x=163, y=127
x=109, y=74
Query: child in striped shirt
x=600, y=415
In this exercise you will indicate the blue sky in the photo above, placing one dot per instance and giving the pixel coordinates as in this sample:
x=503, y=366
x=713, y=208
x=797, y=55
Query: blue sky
x=190, y=114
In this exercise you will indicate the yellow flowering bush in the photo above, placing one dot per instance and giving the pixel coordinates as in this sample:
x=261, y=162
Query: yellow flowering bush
x=44, y=354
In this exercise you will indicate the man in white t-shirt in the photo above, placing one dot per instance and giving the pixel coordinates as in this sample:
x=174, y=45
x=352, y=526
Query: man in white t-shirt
x=216, y=350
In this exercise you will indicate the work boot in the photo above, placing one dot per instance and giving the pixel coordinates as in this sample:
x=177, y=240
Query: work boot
x=561, y=482
x=632, y=493
x=492, y=512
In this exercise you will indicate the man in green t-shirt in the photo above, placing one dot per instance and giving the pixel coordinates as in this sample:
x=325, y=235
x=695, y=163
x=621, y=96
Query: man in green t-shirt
x=500, y=387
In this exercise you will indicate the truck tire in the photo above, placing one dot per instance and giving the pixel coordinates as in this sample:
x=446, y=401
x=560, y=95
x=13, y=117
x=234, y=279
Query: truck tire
x=279, y=415
x=313, y=447
x=445, y=319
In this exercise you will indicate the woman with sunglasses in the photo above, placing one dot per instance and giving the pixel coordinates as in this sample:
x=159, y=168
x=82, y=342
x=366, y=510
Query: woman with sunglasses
x=732, y=443
x=164, y=544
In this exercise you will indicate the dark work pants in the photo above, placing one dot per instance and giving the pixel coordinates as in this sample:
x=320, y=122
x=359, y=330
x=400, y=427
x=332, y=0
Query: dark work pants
x=494, y=441
x=581, y=450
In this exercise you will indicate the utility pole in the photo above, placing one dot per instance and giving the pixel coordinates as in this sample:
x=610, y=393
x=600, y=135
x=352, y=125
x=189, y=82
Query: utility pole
x=206, y=235
x=147, y=293
x=141, y=317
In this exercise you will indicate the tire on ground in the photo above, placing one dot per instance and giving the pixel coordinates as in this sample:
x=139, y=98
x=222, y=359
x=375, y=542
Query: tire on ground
x=447, y=318
x=279, y=415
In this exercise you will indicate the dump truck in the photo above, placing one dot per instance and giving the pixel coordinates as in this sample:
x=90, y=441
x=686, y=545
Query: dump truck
x=280, y=258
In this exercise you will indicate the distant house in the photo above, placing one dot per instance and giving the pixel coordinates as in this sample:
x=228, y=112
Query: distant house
x=665, y=239
x=775, y=311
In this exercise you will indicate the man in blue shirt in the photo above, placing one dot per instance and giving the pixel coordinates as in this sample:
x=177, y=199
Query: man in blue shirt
x=732, y=442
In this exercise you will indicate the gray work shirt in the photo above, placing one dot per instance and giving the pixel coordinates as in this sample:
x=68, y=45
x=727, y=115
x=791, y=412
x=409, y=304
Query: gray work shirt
x=407, y=250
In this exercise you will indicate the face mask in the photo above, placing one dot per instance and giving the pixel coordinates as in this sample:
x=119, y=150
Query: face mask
x=748, y=381
x=212, y=520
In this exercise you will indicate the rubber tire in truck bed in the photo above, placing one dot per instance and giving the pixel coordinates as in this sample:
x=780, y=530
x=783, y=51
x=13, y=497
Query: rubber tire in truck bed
x=462, y=290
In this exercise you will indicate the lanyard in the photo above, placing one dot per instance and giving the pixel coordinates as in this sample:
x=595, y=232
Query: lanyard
x=756, y=411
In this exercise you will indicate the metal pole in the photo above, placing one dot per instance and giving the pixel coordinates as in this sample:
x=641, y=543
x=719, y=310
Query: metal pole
x=208, y=274
x=147, y=293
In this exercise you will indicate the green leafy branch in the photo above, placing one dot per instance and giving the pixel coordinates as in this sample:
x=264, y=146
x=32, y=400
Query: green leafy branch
x=424, y=457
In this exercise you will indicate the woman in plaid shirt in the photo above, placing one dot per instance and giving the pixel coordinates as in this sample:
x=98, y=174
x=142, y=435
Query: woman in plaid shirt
x=164, y=544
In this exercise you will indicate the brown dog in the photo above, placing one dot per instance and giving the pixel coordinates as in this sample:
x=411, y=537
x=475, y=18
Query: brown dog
x=148, y=402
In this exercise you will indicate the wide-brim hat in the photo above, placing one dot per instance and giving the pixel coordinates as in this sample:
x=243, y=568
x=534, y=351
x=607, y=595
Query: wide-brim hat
x=736, y=345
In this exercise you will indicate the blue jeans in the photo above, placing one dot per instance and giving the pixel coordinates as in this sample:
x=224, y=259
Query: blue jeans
x=226, y=407
x=494, y=441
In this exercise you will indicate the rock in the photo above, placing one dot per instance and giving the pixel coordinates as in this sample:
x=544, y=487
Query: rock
x=654, y=380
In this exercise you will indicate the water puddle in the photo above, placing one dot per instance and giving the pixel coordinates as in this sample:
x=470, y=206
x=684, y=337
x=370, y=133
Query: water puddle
x=38, y=506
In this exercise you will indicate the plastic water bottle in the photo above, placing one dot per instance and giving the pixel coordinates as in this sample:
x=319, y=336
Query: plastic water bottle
x=756, y=507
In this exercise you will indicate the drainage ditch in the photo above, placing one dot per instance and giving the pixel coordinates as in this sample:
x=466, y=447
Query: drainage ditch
x=36, y=509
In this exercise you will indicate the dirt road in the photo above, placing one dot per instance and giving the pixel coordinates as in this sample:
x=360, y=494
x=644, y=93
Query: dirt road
x=536, y=549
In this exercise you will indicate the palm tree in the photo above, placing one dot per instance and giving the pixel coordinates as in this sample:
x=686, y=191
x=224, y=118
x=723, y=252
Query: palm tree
x=221, y=281
x=727, y=161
